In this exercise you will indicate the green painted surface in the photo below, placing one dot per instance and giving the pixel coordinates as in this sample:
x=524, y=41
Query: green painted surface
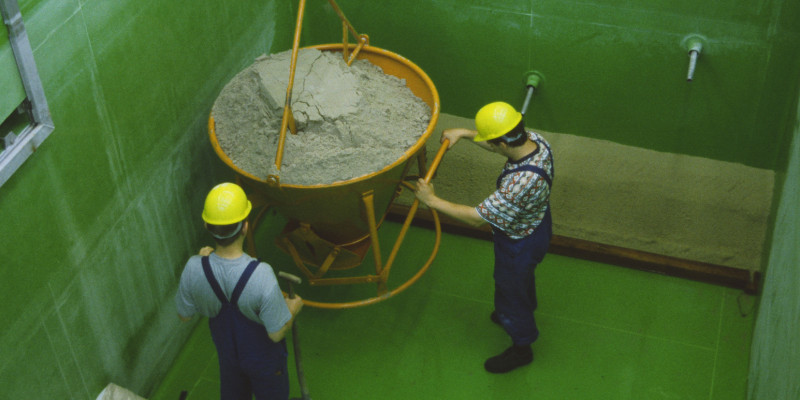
x=606, y=333
x=10, y=83
x=614, y=70
x=98, y=222
x=776, y=344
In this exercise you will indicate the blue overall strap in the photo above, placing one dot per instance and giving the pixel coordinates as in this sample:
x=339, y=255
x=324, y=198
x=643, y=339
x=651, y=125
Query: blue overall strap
x=213, y=281
x=237, y=291
x=552, y=164
x=546, y=146
x=243, y=281
x=541, y=172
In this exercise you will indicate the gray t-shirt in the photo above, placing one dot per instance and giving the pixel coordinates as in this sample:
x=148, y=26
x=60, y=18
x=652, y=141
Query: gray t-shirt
x=261, y=299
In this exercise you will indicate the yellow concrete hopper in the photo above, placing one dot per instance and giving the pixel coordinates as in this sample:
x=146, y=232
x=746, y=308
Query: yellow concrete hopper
x=333, y=225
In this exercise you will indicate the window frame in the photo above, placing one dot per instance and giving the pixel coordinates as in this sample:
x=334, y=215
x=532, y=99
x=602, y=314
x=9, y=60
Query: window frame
x=41, y=124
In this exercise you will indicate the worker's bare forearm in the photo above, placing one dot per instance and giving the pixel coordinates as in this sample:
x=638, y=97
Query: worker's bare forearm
x=456, y=134
x=295, y=305
x=461, y=212
x=279, y=335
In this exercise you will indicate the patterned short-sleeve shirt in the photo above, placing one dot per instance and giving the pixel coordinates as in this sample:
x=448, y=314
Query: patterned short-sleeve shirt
x=522, y=197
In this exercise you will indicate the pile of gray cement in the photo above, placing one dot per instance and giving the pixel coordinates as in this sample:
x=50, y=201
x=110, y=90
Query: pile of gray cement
x=351, y=121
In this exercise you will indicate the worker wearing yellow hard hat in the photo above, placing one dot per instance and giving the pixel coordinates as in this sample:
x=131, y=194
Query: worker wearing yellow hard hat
x=226, y=206
x=519, y=214
x=495, y=120
x=248, y=315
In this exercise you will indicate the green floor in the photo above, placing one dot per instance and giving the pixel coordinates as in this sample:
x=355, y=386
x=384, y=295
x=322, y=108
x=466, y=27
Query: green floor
x=606, y=333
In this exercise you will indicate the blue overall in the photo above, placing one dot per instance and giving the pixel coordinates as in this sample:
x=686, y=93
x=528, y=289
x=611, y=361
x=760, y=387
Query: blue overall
x=249, y=361
x=514, y=264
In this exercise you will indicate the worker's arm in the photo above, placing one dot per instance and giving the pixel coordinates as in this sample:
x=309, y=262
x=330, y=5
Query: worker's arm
x=461, y=212
x=207, y=250
x=456, y=134
x=183, y=299
x=295, y=305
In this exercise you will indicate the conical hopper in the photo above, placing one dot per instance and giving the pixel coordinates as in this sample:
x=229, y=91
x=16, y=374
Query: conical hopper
x=336, y=212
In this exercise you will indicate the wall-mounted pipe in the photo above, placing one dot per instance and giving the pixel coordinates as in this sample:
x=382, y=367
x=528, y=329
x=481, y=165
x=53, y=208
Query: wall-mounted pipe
x=532, y=81
x=694, y=45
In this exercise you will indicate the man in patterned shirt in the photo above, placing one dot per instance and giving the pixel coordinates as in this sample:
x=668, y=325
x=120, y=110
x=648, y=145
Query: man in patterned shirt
x=519, y=213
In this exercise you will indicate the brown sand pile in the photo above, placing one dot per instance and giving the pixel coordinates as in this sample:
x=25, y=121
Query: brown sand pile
x=351, y=121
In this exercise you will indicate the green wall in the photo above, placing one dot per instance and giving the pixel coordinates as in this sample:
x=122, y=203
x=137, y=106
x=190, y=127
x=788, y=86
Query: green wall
x=775, y=354
x=614, y=69
x=13, y=92
x=97, y=224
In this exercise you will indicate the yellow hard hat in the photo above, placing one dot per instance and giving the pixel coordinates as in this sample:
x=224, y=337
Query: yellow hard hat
x=495, y=119
x=226, y=204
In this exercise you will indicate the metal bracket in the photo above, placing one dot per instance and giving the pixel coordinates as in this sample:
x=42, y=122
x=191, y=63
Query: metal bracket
x=42, y=124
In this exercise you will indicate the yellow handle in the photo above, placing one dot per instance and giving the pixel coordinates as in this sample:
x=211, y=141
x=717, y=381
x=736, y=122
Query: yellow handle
x=288, y=118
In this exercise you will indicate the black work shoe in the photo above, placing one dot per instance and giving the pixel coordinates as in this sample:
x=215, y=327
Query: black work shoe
x=511, y=358
x=495, y=318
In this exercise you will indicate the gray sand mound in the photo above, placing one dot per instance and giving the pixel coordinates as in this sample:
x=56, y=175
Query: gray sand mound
x=351, y=121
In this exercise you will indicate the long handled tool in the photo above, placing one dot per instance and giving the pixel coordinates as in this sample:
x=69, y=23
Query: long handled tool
x=298, y=361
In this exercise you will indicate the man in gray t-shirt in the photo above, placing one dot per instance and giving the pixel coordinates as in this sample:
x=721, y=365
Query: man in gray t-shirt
x=261, y=300
x=248, y=315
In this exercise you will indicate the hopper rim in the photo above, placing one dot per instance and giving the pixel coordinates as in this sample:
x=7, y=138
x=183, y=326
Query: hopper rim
x=411, y=151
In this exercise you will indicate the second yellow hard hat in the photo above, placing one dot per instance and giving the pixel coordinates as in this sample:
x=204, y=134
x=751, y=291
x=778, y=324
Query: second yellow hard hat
x=495, y=119
x=226, y=204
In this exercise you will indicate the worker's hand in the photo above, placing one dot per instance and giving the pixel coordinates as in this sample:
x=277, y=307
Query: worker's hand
x=295, y=304
x=425, y=192
x=205, y=251
x=453, y=135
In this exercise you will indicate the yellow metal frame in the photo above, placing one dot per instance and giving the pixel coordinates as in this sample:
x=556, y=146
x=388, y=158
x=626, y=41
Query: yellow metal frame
x=382, y=271
x=288, y=122
x=299, y=239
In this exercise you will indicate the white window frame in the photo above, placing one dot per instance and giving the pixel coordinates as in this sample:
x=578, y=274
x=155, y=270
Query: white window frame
x=26, y=142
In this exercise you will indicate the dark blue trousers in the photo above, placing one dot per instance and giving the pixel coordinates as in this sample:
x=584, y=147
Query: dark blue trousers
x=250, y=363
x=514, y=282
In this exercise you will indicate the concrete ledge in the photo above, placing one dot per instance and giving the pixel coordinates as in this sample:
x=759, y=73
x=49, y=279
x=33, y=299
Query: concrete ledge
x=686, y=207
x=583, y=249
